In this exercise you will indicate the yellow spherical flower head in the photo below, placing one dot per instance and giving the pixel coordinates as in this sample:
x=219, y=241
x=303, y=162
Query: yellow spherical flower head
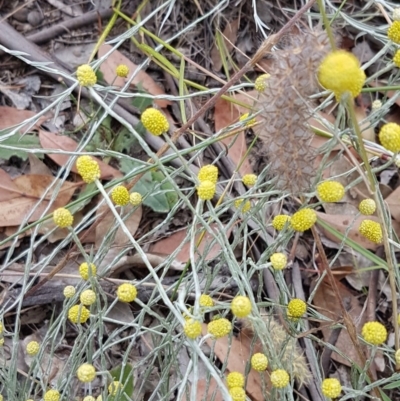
x=1, y=341
x=89, y=398
x=237, y=394
x=78, y=314
x=371, y=230
x=331, y=388
x=51, y=395
x=1, y=328
x=235, y=379
x=340, y=72
x=279, y=222
x=88, y=168
x=219, y=328
x=376, y=105
x=154, y=121
x=120, y=195
x=330, y=191
x=303, y=220
x=296, y=308
x=278, y=261
x=374, y=333
x=245, y=116
x=87, y=270
x=279, y=378
x=32, y=348
x=62, y=217
x=241, y=306
x=192, y=328
x=69, y=291
x=397, y=357
x=259, y=362
x=86, y=373
x=389, y=136
x=122, y=71
x=396, y=59
x=114, y=387
x=206, y=190
x=261, y=82
x=393, y=32
x=208, y=173
x=126, y=292
x=86, y=76
x=88, y=297
x=249, y=180
x=243, y=205
x=367, y=207
x=135, y=198
x=206, y=301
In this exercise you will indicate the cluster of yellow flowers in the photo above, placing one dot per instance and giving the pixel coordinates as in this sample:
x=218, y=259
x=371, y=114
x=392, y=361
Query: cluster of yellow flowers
x=235, y=382
x=208, y=177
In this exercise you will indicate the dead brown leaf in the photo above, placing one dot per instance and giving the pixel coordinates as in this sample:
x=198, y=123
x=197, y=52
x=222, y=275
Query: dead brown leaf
x=120, y=239
x=326, y=302
x=8, y=189
x=50, y=140
x=37, y=166
x=9, y=116
x=13, y=212
x=229, y=36
x=393, y=202
x=168, y=245
x=116, y=58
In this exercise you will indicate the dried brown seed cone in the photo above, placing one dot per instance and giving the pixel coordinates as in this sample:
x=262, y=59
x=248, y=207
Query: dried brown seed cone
x=285, y=134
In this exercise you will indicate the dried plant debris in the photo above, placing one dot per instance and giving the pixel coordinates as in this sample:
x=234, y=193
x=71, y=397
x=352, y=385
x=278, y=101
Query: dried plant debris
x=284, y=104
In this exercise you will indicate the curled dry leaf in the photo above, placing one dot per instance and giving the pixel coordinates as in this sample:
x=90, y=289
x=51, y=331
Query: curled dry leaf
x=116, y=58
x=50, y=140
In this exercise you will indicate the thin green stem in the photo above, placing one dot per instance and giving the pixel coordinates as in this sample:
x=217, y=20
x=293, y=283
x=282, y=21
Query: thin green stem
x=327, y=24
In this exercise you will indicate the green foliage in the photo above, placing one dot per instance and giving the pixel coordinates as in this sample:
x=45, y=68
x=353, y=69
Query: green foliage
x=123, y=374
x=158, y=193
x=142, y=103
x=21, y=142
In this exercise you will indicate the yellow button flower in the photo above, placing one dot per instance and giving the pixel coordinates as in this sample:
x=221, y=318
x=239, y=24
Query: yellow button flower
x=63, y=218
x=126, y=292
x=78, y=314
x=88, y=168
x=120, y=195
x=208, y=173
x=114, y=387
x=394, y=32
x=279, y=222
x=279, y=378
x=235, y=379
x=154, y=121
x=389, y=136
x=371, y=230
x=249, y=180
x=330, y=191
x=206, y=301
x=259, y=362
x=303, y=220
x=278, y=260
x=32, y=348
x=331, y=388
x=243, y=205
x=367, y=207
x=219, y=328
x=69, y=291
x=340, y=72
x=206, y=190
x=85, y=271
x=261, y=82
x=86, y=373
x=397, y=357
x=122, y=71
x=374, y=333
x=237, y=394
x=396, y=59
x=192, y=328
x=88, y=297
x=86, y=76
x=51, y=395
x=296, y=308
x=135, y=198
x=241, y=306
x=245, y=116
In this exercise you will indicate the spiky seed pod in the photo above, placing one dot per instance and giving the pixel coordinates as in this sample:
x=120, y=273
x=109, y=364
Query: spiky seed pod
x=331, y=388
x=394, y=32
x=285, y=133
x=374, y=333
